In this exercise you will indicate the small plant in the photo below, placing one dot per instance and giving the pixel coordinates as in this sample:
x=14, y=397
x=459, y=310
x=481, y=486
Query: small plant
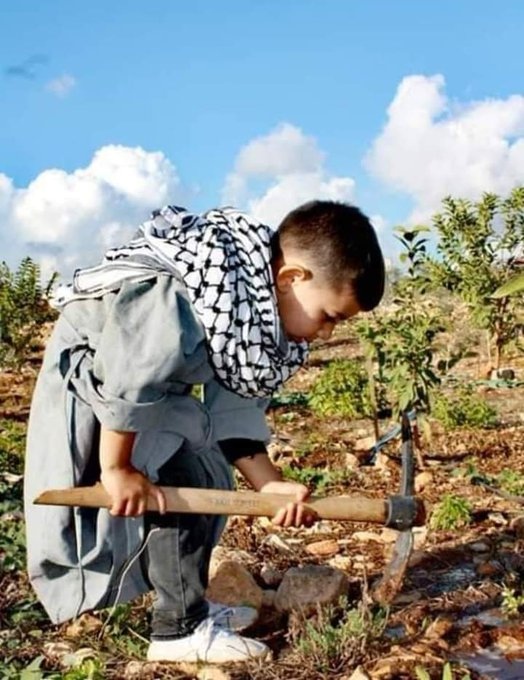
x=476, y=257
x=316, y=478
x=23, y=309
x=341, y=390
x=447, y=673
x=338, y=636
x=463, y=408
x=452, y=512
x=401, y=343
x=511, y=481
x=512, y=602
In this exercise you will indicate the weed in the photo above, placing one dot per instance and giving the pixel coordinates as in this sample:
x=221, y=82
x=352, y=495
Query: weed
x=511, y=481
x=23, y=310
x=341, y=390
x=337, y=636
x=447, y=673
x=320, y=480
x=512, y=602
x=452, y=512
x=463, y=408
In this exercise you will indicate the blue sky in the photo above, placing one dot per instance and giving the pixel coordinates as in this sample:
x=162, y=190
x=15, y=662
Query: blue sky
x=264, y=103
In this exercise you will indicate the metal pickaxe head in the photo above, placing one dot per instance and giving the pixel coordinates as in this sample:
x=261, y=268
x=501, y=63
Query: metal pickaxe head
x=405, y=512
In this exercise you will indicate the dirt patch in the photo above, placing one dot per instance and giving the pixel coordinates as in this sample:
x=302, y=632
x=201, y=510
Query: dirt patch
x=449, y=609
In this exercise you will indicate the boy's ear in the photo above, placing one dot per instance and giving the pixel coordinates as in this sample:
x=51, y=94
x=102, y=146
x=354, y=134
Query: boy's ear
x=289, y=274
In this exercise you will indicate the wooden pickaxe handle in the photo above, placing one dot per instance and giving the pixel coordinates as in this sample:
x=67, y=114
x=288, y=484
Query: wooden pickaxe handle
x=218, y=502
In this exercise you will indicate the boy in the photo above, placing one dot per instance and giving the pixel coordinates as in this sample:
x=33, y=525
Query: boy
x=215, y=300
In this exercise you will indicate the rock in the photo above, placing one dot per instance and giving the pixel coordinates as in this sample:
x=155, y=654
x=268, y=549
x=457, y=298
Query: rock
x=323, y=548
x=276, y=541
x=365, y=443
x=232, y=584
x=358, y=674
x=438, y=628
x=408, y=598
x=383, y=463
x=479, y=547
x=303, y=588
x=497, y=518
x=517, y=524
x=222, y=554
x=57, y=650
x=367, y=536
x=136, y=670
x=502, y=374
x=212, y=673
x=416, y=558
x=342, y=562
x=12, y=516
x=420, y=535
x=351, y=461
x=423, y=480
x=490, y=568
x=271, y=575
x=268, y=598
x=83, y=625
x=323, y=526
x=388, y=535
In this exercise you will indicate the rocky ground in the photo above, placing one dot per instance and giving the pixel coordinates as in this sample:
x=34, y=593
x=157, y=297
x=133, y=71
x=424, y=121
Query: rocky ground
x=459, y=604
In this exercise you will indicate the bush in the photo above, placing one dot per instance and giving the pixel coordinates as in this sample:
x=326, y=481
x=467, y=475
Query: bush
x=341, y=390
x=23, y=310
x=337, y=636
x=452, y=512
x=463, y=408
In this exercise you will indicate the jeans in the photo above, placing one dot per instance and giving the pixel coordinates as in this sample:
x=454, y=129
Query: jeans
x=179, y=547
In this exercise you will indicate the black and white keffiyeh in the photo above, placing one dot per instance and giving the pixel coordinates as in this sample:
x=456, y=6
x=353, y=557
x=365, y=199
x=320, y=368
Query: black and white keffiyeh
x=223, y=256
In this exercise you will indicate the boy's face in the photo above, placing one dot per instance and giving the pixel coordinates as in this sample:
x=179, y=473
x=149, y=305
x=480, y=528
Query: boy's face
x=308, y=307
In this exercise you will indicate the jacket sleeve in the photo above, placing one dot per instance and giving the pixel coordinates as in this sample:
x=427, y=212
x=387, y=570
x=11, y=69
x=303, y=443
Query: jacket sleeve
x=149, y=342
x=236, y=417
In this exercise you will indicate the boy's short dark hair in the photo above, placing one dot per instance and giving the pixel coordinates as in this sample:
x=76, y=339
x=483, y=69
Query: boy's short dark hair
x=342, y=243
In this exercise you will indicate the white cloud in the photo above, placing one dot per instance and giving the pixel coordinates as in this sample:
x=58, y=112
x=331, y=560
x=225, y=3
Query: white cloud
x=431, y=147
x=277, y=172
x=62, y=85
x=71, y=218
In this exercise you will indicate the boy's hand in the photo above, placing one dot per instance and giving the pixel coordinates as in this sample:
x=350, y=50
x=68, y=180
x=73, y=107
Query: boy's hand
x=129, y=490
x=292, y=514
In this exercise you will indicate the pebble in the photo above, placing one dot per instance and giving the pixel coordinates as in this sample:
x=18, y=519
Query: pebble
x=480, y=547
x=517, y=524
x=489, y=569
x=367, y=536
x=325, y=548
x=423, y=480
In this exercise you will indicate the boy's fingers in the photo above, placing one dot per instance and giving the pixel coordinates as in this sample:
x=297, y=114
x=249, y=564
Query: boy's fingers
x=160, y=499
x=299, y=516
x=279, y=518
x=290, y=514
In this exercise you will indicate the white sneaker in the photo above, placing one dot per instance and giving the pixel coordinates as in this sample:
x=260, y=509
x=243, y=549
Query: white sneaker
x=209, y=643
x=234, y=618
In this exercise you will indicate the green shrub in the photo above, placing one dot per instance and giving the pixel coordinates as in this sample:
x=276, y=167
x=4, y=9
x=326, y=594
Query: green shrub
x=511, y=481
x=452, y=512
x=23, y=310
x=337, y=636
x=463, y=408
x=316, y=478
x=341, y=390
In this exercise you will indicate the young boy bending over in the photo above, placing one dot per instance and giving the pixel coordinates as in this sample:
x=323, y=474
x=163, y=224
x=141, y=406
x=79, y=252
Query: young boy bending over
x=216, y=300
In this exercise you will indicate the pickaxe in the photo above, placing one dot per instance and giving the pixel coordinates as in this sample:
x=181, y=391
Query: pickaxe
x=401, y=512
